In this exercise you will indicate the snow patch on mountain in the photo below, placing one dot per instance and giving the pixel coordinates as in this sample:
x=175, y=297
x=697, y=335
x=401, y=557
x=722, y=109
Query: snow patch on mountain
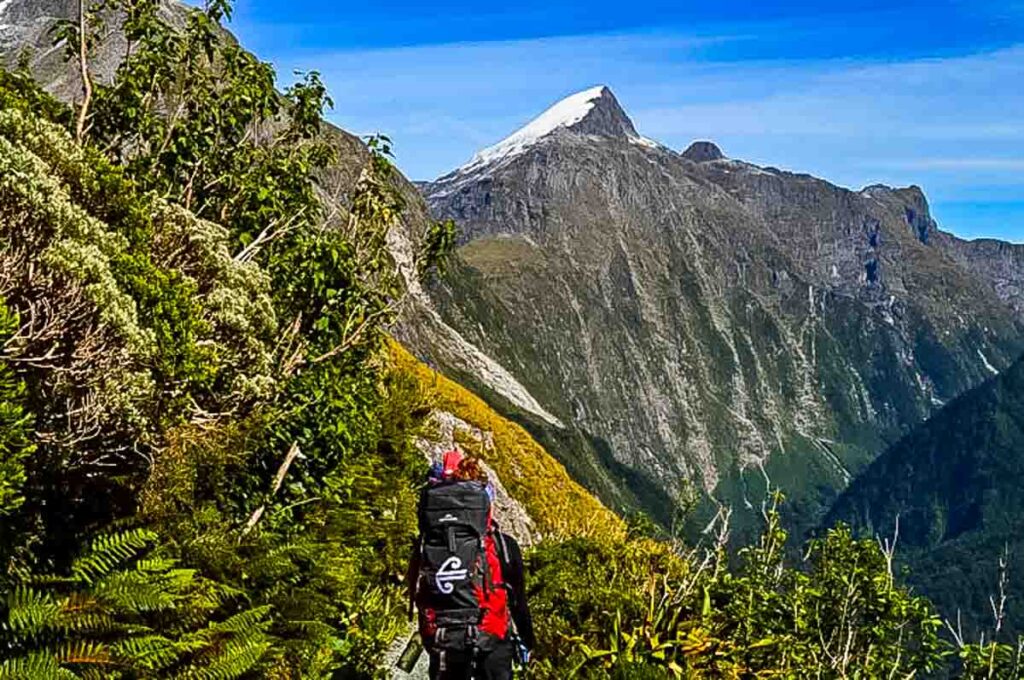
x=563, y=115
x=988, y=364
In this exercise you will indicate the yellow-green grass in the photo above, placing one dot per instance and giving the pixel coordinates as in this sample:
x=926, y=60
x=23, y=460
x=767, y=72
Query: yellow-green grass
x=496, y=255
x=558, y=505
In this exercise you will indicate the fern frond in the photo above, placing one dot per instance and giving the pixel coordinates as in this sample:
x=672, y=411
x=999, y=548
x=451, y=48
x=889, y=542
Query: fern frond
x=155, y=565
x=30, y=611
x=152, y=652
x=232, y=660
x=39, y=665
x=132, y=592
x=84, y=653
x=108, y=551
x=228, y=648
x=81, y=612
x=244, y=622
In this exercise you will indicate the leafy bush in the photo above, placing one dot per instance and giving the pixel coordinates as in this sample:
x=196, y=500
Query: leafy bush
x=198, y=357
x=604, y=606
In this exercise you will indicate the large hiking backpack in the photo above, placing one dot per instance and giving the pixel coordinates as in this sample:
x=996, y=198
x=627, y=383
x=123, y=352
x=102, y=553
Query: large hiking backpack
x=459, y=589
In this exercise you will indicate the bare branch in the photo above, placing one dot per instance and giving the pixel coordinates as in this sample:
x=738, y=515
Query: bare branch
x=83, y=65
x=254, y=518
x=269, y=233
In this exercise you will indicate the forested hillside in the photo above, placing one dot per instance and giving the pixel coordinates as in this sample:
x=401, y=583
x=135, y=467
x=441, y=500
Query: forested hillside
x=210, y=450
x=955, y=488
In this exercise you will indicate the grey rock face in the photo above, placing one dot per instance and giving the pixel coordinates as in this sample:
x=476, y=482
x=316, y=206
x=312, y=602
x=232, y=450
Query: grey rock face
x=605, y=119
x=998, y=263
x=26, y=33
x=713, y=321
x=702, y=152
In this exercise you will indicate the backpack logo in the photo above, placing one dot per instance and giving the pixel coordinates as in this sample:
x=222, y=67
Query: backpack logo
x=451, y=571
x=449, y=518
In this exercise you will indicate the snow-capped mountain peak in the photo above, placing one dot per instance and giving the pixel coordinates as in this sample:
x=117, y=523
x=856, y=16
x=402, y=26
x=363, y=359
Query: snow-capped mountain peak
x=594, y=111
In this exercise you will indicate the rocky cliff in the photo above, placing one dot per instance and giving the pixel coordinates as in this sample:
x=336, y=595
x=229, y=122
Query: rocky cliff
x=685, y=316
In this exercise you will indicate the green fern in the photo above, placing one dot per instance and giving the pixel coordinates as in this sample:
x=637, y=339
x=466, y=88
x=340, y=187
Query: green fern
x=126, y=613
x=35, y=666
x=84, y=653
x=147, y=652
x=108, y=551
x=30, y=612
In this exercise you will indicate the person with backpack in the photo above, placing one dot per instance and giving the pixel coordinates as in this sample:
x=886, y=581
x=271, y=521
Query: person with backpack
x=467, y=578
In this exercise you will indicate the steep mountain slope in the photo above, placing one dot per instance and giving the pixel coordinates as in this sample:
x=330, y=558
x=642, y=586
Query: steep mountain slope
x=26, y=35
x=955, y=485
x=998, y=263
x=687, y=316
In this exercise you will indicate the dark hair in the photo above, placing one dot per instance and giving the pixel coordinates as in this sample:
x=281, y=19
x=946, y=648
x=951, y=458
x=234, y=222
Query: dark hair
x=470, y=469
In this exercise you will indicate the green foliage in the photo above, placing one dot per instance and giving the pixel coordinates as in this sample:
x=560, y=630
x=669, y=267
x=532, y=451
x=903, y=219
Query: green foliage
x=15, y=424
x=992, y=660
x=126, y=611
x=438, y=246
x=135, y=317
x=606, y=606
x=195, y=118
x=19, y=91
x=200, y=359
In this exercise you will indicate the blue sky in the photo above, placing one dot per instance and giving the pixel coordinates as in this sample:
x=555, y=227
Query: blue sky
x=927, y=93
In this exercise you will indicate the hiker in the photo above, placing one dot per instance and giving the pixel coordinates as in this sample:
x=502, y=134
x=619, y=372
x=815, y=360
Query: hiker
x=467, y=578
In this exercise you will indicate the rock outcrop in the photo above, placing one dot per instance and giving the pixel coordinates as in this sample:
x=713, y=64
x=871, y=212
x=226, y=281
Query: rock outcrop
x=702, y=152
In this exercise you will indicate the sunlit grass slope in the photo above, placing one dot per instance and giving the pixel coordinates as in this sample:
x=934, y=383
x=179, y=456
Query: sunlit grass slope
x=557, y=504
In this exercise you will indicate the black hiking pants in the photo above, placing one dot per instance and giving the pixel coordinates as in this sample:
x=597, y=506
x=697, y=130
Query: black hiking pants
x=493, y=665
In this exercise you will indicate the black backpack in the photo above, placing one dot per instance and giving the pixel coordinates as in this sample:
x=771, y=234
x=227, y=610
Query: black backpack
x=459, y=588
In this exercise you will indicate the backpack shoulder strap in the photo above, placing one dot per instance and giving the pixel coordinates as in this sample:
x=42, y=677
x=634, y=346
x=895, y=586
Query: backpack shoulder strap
x=495, y=532
x=500, y=546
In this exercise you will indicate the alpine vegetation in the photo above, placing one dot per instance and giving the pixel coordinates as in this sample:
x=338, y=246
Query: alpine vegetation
x=206, y=467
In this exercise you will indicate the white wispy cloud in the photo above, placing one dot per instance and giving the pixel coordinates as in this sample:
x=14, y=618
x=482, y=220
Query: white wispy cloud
x=954, y=125
x=958, y=164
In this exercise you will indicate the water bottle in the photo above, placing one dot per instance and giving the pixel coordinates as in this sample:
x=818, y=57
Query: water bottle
x=411, y=654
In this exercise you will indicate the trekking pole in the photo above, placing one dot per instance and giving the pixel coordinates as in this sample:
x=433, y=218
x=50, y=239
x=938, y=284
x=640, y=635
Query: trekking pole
x=521, y=655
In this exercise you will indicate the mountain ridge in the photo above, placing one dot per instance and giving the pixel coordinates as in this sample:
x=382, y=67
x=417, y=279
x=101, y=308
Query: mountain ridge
x=671, y=310
x=193, y=444
x=594, y=112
